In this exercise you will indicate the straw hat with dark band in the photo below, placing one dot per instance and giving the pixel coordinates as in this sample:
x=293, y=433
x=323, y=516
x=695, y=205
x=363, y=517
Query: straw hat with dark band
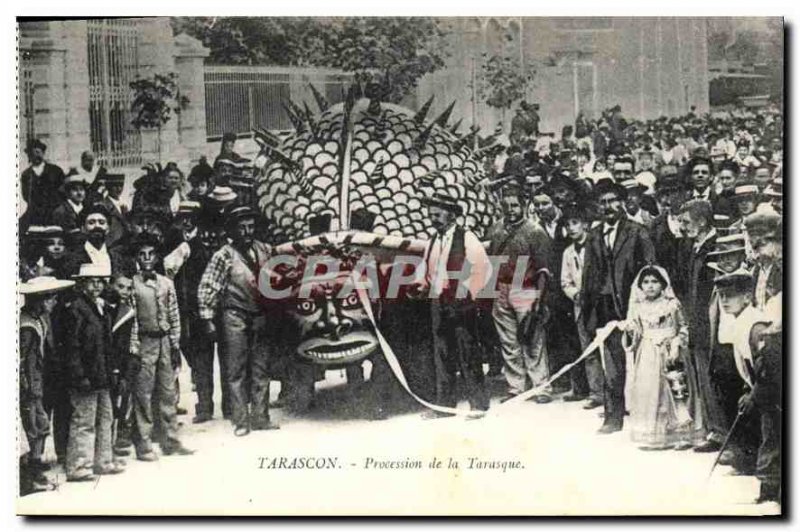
x=443, y=201
x=44, y=285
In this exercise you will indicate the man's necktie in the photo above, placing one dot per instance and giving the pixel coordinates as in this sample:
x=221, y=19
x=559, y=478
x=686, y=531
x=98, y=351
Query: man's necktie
x=149, y=276
x=607, y=237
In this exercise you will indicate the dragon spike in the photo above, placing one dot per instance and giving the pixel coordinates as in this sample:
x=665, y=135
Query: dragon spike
x=265, y=137
x=454, y=128
x=310, y=119
x=468, y=138
x=423, y=111
x=322, y=102
x=445, y=116
x=297, y=122
x=274, y=153
x=422, y=138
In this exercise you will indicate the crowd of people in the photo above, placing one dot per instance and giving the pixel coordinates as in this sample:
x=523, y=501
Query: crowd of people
x=671, y=228
x=668, y=229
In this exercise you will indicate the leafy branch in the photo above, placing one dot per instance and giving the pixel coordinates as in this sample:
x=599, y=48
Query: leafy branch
x=155, y=99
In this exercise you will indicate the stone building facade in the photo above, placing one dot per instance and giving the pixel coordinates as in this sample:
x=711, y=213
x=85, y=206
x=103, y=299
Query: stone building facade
x=649, y=66
x=74, y=90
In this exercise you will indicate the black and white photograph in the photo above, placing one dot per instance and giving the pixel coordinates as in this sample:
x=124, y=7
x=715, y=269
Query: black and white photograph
x=400, y=266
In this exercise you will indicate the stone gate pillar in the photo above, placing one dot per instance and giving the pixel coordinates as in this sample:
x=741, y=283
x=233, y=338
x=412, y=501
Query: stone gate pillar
x=190, y=57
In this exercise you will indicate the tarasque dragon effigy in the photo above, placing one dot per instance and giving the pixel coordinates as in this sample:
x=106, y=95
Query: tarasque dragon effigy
x=347, y=182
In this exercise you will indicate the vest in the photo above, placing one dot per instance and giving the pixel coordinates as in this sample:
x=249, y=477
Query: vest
x=455, y=262
x=242, y=289
x=151, y=306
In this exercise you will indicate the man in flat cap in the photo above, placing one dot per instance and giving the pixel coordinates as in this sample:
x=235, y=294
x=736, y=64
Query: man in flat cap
x=40, y=185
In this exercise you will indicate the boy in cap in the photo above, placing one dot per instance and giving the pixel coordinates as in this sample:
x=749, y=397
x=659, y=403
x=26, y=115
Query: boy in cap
x=67, y=214
x=757, y=352
x=89, y=451
x=726, y=383
x=576, y=222
x=124, y=367
x=155, y=341
x=230, y=283
x=35, y=347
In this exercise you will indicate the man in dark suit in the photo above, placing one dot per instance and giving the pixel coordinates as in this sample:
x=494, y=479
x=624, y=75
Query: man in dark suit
x=696, y=219
x=41, y=186
x=119, y=227
x=67, y=214
x=615, y=252
x=665, y=232
x=94, y=225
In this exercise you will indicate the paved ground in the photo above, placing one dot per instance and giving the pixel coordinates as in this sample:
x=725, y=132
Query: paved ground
x=554, y=464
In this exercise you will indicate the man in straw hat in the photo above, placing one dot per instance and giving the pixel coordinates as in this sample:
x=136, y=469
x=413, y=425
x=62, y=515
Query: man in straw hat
x=155, y=340
x=35, y=347
x=453, y=311
x=726, y=383
x=230, y=283
x=67, y=215
x=89, y=451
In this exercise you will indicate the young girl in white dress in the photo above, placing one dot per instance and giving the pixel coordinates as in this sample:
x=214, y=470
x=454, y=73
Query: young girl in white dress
x=659, y=415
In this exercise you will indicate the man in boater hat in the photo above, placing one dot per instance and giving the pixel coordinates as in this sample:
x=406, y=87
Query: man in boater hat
x=230, y=283
x=35, y=346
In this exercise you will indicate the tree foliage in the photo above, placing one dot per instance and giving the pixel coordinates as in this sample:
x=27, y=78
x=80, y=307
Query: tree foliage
x=502, y=81
x=155, y=99
x=392, y=52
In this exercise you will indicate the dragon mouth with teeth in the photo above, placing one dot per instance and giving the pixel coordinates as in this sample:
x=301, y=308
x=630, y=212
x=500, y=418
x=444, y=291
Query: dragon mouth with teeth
x=328, y=353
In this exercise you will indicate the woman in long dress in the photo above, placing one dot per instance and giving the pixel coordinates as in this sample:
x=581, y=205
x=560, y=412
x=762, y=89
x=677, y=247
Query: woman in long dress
x=660, y=416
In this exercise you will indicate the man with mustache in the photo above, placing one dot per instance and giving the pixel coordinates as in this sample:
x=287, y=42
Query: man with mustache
x=615, y=251
x=696, y=221
x=94, y=227
x=230, y=283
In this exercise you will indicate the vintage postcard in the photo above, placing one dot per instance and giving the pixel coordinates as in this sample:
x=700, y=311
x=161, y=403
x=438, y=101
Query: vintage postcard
x=400, y=266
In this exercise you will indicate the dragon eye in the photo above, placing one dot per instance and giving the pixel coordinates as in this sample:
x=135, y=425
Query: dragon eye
x=351, y=301
x=306, y=307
